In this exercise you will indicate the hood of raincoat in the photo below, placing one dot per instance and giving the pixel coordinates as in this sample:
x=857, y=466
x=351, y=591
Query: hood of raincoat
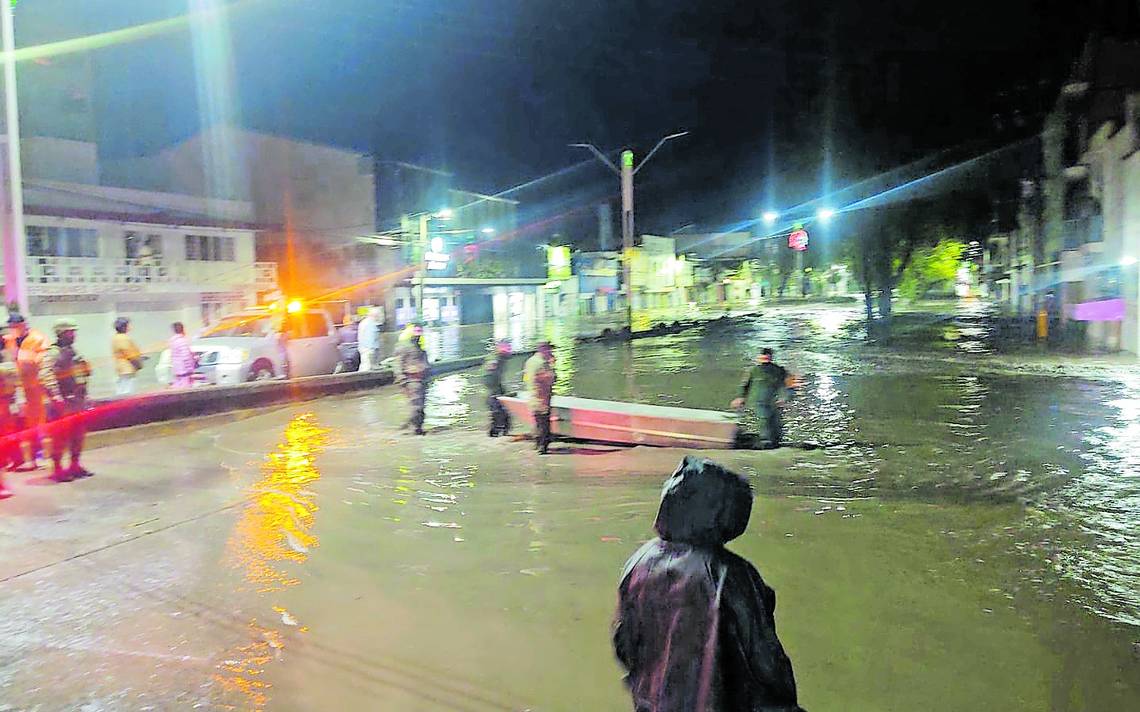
x=703, y=504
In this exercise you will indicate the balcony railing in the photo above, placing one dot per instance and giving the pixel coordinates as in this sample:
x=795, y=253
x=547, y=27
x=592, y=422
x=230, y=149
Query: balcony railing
x=62, y=275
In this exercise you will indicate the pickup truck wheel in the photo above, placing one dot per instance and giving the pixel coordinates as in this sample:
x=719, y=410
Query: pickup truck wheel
x=261, y=371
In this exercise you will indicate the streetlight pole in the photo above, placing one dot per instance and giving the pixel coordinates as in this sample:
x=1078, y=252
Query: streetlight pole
x=626, y=174
x=15, y=241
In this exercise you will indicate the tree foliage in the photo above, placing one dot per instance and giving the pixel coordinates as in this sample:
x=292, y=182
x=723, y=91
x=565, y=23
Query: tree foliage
x=483, y=267
x=932, y=268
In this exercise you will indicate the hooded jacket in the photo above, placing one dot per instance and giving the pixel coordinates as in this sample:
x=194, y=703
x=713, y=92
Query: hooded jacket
x=696, y=624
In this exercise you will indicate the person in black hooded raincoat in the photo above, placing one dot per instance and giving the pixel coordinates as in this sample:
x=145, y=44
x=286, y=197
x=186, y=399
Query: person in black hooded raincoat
x=695, y=623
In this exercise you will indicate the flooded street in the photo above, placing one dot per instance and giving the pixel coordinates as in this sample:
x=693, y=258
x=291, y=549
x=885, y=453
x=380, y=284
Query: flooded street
x=940, y=537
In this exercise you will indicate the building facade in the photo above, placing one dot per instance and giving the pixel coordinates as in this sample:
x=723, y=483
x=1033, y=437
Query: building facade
x=1082, y=264
x=97, y=253
x=316, y=204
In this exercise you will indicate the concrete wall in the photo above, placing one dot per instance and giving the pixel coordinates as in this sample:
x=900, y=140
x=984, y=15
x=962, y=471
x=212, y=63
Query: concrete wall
x=326, y=191
x=95, y=317
x=58, y=159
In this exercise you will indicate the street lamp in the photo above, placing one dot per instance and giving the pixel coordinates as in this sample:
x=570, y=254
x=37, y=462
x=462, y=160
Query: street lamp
x=825, y=214
x=770, y=217
x=626, y=173
x=488, y=231
x=1127, y=261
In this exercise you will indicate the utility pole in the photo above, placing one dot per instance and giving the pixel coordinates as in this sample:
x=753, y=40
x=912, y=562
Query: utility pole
x=626, y=174
x=15, y=241
x=421, y=272
x=627, y=233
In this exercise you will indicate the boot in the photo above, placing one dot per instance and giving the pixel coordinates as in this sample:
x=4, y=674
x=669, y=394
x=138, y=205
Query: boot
x=77, y=471
x=59, y=474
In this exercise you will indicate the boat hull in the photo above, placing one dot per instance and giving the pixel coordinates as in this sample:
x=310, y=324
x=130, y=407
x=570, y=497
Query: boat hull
x=630, y=423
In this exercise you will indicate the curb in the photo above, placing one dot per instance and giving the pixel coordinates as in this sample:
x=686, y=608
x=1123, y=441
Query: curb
x=112, y=421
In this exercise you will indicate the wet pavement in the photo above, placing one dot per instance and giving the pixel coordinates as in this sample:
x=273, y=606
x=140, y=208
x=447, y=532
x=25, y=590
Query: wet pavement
x=939, y=538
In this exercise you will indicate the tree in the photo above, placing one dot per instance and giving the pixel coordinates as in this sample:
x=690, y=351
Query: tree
x=883, y=242
x=932, y=267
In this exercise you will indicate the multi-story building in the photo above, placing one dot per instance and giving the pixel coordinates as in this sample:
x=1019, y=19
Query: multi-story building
x=95, y=253
x=1083, y=260
x=315, y=203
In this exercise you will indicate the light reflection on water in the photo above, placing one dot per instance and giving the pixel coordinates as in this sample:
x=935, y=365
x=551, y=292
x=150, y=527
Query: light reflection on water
x=1105, y=499
x=274, y=529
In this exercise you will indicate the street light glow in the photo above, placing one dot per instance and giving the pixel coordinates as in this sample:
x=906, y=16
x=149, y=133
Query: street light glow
x=1127, y=261
x=488, y=231
x=444, y=213
x=825, y=214
x=770, y=217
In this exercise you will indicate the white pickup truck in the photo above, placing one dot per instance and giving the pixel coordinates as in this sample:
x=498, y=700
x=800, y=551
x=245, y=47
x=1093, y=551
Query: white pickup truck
x=247, y=346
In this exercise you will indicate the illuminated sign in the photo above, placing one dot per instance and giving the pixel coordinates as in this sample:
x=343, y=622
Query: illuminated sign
x=627, y=159
x=798, y=240
x=558, y=263
x=436, y=260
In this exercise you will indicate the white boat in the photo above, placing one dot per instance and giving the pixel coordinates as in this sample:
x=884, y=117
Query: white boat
x=630, y=423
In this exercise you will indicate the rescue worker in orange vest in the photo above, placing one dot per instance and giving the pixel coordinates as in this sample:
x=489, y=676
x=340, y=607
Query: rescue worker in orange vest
x=64, y=375
x=26, y=347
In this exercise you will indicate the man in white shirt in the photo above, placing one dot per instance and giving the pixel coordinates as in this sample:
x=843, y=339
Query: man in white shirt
x=368, y=340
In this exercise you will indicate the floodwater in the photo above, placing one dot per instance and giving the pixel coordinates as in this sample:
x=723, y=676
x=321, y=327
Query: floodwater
x=939, y=539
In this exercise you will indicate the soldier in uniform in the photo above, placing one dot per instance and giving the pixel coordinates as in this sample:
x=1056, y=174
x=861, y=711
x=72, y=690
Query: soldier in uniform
x=493, y=379
x=539, y=376
x=64, y=375
x=413, y=372
x=762, y=393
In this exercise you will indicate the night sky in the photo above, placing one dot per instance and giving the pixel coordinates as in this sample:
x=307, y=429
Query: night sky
x=784, y=98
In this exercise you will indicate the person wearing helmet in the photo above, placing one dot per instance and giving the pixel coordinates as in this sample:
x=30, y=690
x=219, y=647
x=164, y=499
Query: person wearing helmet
x=412, y=330
x=64, y=374
x=128, y=358
x=25, y=347
x=413, y=371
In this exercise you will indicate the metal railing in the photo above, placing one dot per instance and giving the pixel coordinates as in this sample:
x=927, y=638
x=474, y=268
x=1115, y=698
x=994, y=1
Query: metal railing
x=58, y=275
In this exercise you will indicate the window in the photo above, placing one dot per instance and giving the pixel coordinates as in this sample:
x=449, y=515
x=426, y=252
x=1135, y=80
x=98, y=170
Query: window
x=62, y=242
x=41, y=241
x=210, y=248
x=244, y=325
x=131, y=243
